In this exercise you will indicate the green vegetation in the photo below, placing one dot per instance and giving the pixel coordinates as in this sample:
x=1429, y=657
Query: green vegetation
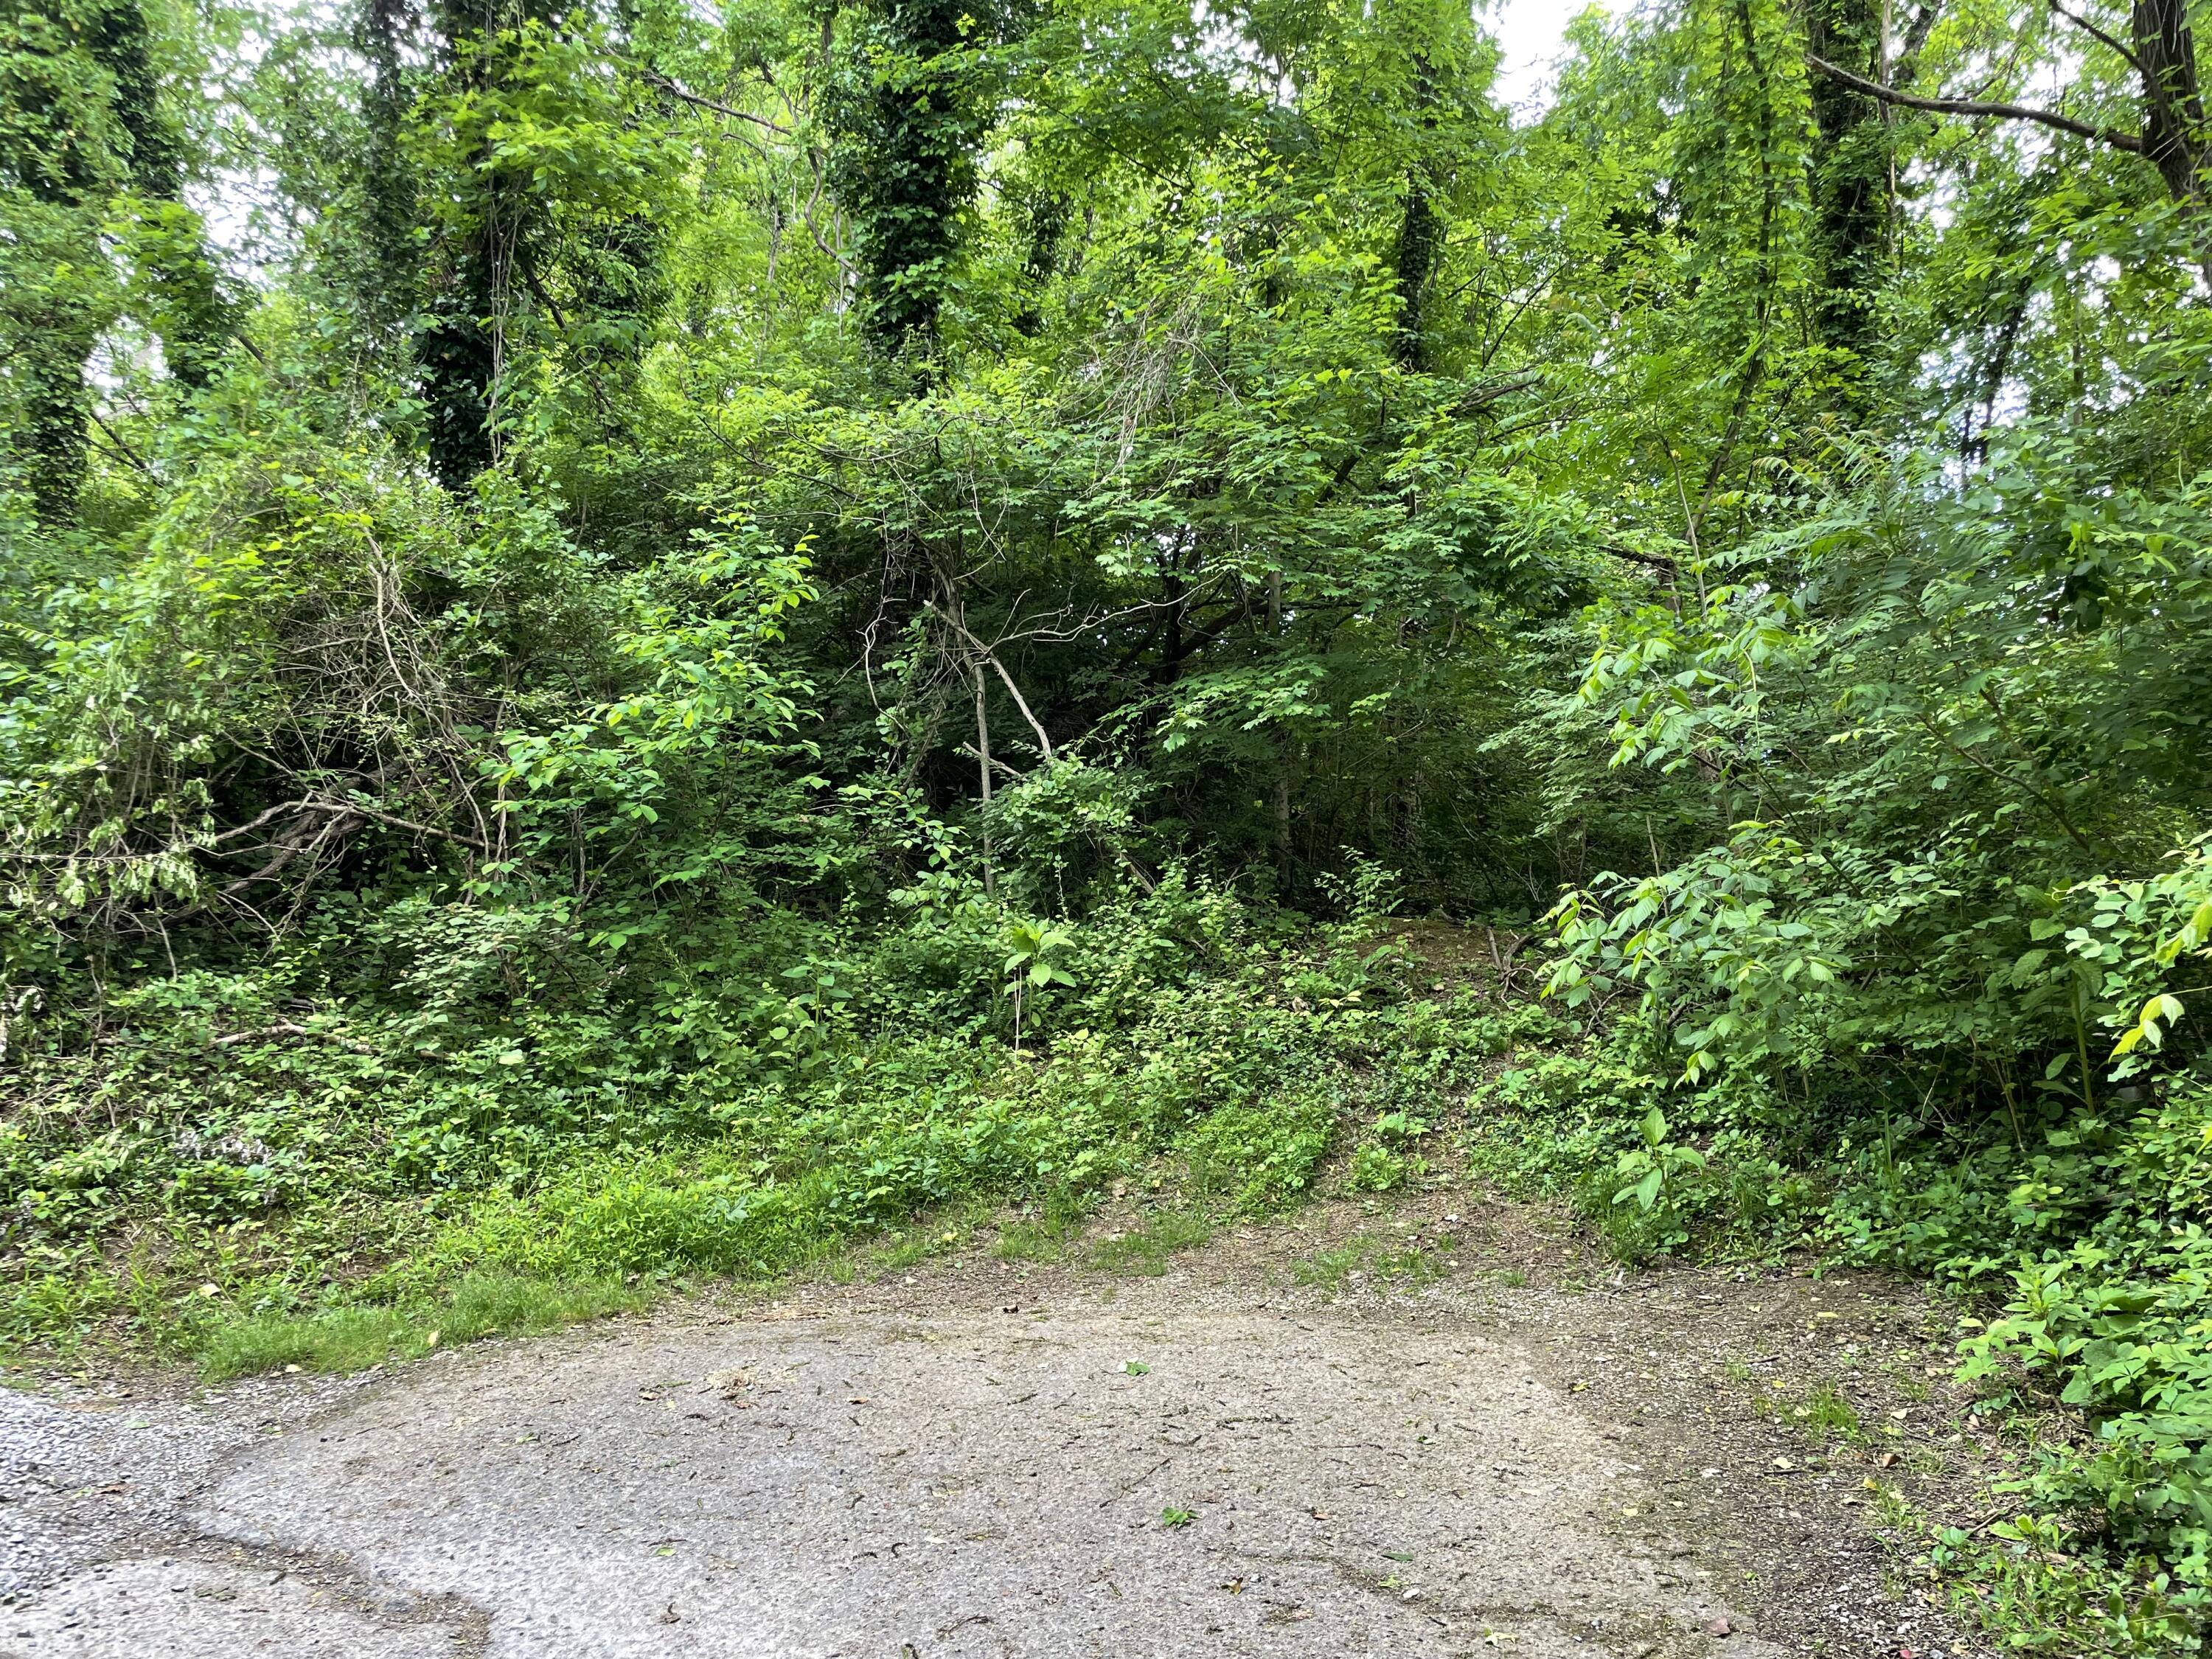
x=642, y=642
x=1146, y=1248
x=1366, y=1258
x=353, y=1339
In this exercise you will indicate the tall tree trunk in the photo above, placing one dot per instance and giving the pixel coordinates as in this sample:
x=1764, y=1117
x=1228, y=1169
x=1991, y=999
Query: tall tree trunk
x=459, y=349
x=168, y=242
x=983, y=765
x=1175, y=595
x=133, y=180
x=905, y=166
x=1420, y=233
x=2173, y=136
x=1852, y=175
x=393, y=279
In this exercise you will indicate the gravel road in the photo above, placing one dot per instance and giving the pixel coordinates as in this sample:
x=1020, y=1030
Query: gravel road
x=1116, y=1479
x=992, y=1460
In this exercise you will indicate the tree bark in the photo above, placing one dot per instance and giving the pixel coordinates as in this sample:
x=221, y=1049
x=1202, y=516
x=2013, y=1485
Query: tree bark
x=983, y=768
x=2173, y=110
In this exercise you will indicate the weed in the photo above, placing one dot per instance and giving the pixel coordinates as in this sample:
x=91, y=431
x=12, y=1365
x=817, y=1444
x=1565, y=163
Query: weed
x=1261, y=1157
x=1377, y=1169
x=1042, y=1238
x=1826, y=1415
x=1366, y=1257
x=1147, y=1249
x=353, y=1339
x=1908, y=1384
x=1331, y=1268
x=930, y=1237
x=2032, y=1583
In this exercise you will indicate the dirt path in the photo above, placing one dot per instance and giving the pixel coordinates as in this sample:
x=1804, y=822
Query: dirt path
x=982, y=1458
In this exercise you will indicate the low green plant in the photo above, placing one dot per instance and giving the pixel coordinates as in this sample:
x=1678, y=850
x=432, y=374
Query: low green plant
x=1376, y=1168
x=1824, y=1413
x=1041, y=1237
x=1648, y=1169
x=1147, y=1249
x=1653, y=1198
x=1259, y=1156
x=374, y=1153
x=1370, y=1258
x=352, y=1339
x=1033, y=962
x=2029, y=1583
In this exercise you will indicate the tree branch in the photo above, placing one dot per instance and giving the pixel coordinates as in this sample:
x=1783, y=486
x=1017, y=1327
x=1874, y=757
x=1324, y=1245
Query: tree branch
x=2096, y=33
x=286, y=1028
x=694, y=100
x=121, y=448
x=2130, y=142
x=354, y=807
x=991, y=657
x=1649, y=561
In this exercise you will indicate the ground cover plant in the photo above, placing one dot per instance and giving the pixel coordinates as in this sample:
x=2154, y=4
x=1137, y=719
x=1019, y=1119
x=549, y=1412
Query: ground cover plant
x=641, y=641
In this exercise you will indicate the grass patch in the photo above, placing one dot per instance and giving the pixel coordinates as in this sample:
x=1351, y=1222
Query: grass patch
x=354, y=1339
x=1827, y=1413
x=1038, y=1238
x=1366, y=1257
x=940, y=1233
x=1261, y=1157
x=1823, y=1414
x=1147, y=1249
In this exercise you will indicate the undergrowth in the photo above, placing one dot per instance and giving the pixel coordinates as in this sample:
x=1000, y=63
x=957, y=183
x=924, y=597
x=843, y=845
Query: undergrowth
x=346, y=1190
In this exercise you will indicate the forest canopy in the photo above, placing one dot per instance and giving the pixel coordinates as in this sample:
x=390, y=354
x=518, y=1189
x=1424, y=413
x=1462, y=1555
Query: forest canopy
x=639, y=638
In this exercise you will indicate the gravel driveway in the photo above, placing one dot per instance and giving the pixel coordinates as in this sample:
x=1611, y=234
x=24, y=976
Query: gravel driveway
x=984, y=1463
x=1085, y=1482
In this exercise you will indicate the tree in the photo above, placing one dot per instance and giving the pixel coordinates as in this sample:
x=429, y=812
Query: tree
x=909, y=112
x=84, y=136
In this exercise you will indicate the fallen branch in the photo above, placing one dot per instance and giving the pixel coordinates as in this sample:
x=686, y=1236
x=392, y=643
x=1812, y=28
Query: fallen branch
x=286, y=1028
x=367, y=811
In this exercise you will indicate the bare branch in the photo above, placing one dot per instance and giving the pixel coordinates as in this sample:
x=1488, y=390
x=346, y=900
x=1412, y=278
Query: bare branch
x=991, y=657
x=121, y=448
x=1650, y=561
x=285, y=1027
x=396, y=823
x=258, y=820
x=2096, y=33
x=2131, y=142
x=694, y=98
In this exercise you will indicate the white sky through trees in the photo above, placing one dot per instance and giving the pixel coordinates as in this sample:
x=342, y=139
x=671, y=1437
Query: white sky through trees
x=1532, y=34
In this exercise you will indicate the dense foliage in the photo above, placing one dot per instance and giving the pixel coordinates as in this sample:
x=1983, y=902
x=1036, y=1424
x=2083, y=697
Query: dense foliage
x=646, y=639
